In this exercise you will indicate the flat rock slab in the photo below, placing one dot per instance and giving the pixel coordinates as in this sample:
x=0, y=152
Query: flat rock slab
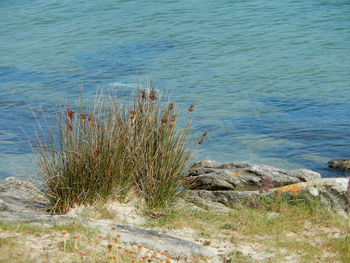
x=242, y=176
x=20, y=199
x=155, y=240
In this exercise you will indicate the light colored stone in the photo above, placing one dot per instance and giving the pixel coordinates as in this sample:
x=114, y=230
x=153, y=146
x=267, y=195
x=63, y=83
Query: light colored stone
x=20, y=199
x=242, y=176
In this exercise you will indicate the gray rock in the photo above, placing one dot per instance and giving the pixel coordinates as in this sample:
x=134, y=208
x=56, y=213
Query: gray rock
x=242, y=176
x=333, y=193
x=343, y=165
x=229, y=198
x=20, y=199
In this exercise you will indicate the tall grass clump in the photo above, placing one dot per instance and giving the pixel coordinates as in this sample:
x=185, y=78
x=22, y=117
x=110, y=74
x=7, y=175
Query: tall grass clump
x=163, y=150
x=114, y=147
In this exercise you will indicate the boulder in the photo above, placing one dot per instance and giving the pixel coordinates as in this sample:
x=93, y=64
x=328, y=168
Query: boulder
x=343, y=165
x=242, y=176
x=333, y=193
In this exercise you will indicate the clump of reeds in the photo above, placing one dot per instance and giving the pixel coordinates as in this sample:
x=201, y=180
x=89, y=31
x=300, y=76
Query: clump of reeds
x=113, y=147
x=162, y=150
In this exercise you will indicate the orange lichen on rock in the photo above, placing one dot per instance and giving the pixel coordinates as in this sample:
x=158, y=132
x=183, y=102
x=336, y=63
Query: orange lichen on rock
x=294, y=188
x=236, y=174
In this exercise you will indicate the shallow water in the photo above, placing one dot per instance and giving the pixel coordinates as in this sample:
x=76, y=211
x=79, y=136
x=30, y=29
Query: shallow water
x=270, y=79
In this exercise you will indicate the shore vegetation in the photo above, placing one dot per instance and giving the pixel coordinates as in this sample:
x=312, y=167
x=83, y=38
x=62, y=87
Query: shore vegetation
x=113, y=148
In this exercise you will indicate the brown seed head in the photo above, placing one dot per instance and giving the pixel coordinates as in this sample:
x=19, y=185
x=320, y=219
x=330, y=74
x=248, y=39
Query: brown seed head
x=75, y=237
x=70, y=114
x=152, y=94
x=100, y=237
x=164, y=119
x=64, y=233
x=69, y=127
x=113, y=228
x=200, y=141
x=90, y=117
x=191, y=108
x=143, y=94
x=109, y=247
x=205, y=134
x=82, y=116
x=171, y=106
x=132, y=114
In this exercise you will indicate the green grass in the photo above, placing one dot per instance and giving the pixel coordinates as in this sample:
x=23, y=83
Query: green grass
x=279, y=227
x=341, y=245
x=23, y=228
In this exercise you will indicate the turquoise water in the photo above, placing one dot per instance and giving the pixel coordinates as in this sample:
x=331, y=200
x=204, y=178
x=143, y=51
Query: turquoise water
x=269, y=79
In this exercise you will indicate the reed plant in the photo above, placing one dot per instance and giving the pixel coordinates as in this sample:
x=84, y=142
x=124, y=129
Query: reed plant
x=114, y=147
x=163, y=151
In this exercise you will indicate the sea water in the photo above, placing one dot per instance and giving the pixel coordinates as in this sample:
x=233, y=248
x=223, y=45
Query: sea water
x=269, y=79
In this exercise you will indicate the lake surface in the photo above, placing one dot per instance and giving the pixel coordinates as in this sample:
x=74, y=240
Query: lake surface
x=270, y=80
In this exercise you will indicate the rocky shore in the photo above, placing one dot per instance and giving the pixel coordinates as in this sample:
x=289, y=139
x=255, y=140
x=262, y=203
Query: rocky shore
x=215, y=185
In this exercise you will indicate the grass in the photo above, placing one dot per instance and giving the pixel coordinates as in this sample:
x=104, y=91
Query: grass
x=70, y=242
x=275, y=232
x=279, y=231
x=113, y=148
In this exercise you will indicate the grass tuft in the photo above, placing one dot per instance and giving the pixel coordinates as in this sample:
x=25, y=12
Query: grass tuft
x=113, y=147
